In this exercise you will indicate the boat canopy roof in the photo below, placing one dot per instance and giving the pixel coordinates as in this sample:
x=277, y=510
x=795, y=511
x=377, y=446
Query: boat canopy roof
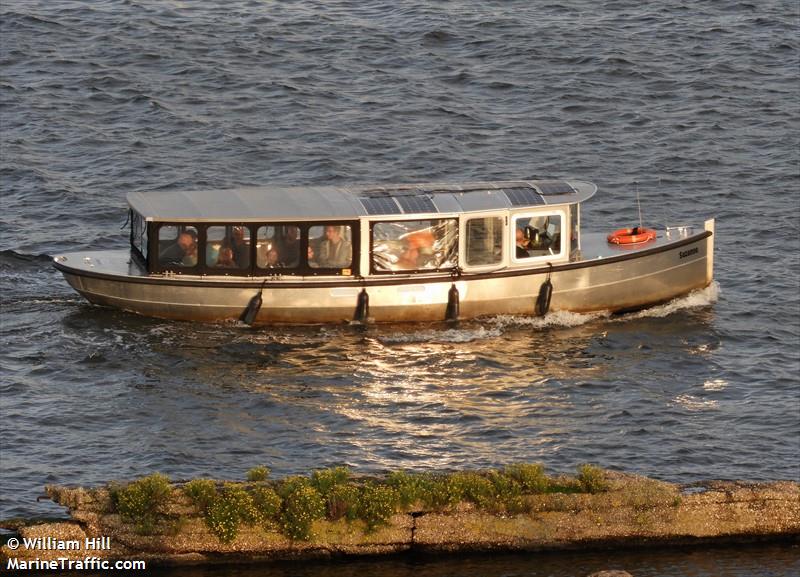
x=261, y=203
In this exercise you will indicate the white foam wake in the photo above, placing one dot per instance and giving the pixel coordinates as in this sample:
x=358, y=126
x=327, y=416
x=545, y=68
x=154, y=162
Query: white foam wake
x=554, y=319
x=456, y=335
x=699, y=298
x=495, y=326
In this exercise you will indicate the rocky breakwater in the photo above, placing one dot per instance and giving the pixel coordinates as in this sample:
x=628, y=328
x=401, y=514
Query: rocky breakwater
x=332, y=513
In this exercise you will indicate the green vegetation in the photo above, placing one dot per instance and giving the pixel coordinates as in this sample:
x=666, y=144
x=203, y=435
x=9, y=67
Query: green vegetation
x=508, y=494
x=229, y=509
x=292, y=484
x=592, y=479
x=343, y=501
x=377, y=504
x=301, y=507
x=142, y=502
x=267, y=504
x=325, y=480
x=475, y=488
x=224, y=511
x=258, y=474
x=440, y=492
x=649, y=493
x=409, y=488
x=293, y=505
x=530, y=477
x=563, y=484
x=201, y=492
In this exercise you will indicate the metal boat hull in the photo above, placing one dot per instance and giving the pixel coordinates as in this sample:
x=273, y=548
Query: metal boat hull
x=615, y=282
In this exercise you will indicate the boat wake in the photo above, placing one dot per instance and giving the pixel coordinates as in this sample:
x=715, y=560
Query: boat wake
x=455, y=335
x=563, y=319
x=11, y=256
x=695, y=299
x=497, y=326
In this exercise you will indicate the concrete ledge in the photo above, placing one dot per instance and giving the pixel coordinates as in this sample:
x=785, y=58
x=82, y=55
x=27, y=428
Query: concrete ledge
x=633, y=512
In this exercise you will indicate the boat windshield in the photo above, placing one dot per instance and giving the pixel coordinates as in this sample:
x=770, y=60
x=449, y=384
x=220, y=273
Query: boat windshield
x=538, y=235
x=415, y=245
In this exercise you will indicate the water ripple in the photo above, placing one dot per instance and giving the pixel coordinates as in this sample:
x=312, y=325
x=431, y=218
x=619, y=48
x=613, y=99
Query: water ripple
x=696, y=103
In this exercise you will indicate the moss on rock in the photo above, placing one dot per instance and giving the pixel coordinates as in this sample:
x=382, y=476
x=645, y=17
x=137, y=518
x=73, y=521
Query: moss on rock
x=333, y=512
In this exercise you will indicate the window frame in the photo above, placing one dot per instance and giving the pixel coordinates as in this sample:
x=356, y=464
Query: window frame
x=287, y=270
x=211, y=270
x=355, y=243
x=462, y=249
x=575, y=227
x=303, y=269
x=413, y=218
x=512, y=230
x=156, y=265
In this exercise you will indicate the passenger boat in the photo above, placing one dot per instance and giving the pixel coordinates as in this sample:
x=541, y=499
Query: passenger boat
x=421, y=252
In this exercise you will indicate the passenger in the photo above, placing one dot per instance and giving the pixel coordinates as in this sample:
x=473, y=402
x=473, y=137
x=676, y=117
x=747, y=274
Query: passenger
x=334, y=251
x=241, y=247
x=522, y=244
x=417, y=250
x=226, y=258
x=290, y=246
x=188, y=243
x=183, y=252
x=273, y=259
x=409, y=258
x=536, y=231
x=187, y=240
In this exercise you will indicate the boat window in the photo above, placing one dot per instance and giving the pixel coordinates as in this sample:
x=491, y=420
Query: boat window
x=330, y=246
x=139, y=233
x=484, y=241
x=537, y=236
x=277, y=246
x=177, y=246
x=228, y=247
x=414, y=245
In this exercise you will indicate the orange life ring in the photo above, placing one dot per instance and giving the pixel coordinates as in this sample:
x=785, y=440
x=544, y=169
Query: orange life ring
x=633, y=235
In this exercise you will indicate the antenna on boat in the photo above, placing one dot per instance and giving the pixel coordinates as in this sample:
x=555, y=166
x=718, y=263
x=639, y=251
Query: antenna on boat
x=638, y=203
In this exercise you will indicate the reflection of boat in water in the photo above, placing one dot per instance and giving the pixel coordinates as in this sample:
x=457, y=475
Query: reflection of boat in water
x=388, y=253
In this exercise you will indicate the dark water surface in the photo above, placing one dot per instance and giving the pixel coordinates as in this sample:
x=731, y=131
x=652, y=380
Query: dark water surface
x=765, y=561
x=698, y=103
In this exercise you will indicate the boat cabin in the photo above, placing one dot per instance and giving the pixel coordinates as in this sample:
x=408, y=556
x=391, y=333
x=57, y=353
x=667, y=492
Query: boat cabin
x=358, y=231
